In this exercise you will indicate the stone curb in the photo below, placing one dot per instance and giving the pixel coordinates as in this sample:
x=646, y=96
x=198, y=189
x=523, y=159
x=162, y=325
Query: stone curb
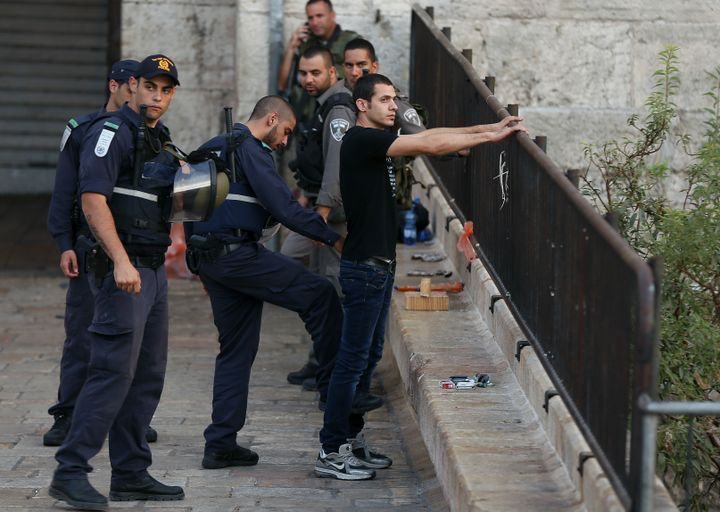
x=588, y=480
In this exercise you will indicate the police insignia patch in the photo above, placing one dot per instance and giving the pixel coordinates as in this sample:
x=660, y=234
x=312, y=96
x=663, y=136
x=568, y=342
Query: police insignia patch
x=338, y=127
x=412, y=116
x=103, y=143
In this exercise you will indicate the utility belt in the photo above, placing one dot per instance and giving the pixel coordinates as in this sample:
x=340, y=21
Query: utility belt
x=207, y=249
x=93, y=259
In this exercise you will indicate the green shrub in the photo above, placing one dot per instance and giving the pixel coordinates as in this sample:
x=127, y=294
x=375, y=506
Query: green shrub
x=621, y=178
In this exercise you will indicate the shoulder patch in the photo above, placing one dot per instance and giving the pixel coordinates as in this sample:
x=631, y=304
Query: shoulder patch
x=65, y=137
x=103, y=142
x=411, y=116
x=338, y=127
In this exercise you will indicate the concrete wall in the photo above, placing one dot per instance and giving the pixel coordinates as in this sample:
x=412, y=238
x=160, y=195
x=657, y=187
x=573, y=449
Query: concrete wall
x=577, y=68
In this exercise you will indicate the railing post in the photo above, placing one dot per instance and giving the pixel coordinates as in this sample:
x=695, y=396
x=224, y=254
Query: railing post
x=643, y=443
x=467, y=53
x=573, y=175
x=490, y=82
x=447, y=32
x=541, y=142
x=642, y=501
x=431, y=11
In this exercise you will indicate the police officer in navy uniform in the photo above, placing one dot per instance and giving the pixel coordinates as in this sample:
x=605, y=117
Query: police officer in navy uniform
x=65, y=223
x=240, y=274
x=125, y=174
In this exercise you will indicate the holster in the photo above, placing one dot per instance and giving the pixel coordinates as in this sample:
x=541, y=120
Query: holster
x=93, y=258
x=201, y=249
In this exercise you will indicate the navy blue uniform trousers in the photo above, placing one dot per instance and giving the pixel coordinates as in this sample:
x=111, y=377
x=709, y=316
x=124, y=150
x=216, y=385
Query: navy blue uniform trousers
x=79, y=306
x=125, y=378
x=238, y=283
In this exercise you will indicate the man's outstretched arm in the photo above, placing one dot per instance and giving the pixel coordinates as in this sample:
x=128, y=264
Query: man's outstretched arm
x=441, y=141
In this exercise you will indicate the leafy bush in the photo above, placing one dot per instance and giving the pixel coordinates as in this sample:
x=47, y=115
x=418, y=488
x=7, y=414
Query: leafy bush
x=623, y=179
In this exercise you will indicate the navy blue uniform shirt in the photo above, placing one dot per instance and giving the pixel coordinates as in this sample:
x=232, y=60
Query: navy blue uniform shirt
x=255, y=163
x=105, y=151
x=65, y=191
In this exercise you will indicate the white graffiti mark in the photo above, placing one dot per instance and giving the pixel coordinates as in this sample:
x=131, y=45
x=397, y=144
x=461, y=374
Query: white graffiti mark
x=502, y=176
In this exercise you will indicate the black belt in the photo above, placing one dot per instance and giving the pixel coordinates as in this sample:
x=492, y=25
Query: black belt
x=152, y=261
x=382, y=263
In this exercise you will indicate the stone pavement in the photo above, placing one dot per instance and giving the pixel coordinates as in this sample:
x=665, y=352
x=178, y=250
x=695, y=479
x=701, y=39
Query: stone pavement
x=283, y=421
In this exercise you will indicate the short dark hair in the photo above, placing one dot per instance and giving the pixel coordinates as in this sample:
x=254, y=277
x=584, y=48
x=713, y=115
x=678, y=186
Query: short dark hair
x=361, y=44
x=328, y=2
x=365, y=86
x=316, y=50
x=268, y=104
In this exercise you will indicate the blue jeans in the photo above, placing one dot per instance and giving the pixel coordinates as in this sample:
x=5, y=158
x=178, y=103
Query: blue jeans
x=368, y=291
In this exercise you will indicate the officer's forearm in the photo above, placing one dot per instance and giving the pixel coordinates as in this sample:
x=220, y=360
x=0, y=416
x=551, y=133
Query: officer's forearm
x=101, y=222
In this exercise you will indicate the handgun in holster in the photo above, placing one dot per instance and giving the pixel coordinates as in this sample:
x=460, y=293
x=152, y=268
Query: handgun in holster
x=93, y=258
x=201, y=249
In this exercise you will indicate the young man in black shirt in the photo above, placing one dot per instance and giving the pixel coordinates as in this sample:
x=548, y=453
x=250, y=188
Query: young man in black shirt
x=367, y=185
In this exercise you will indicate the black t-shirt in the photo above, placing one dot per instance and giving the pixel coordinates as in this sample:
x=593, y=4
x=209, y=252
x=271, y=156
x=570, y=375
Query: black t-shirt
x=367, y=185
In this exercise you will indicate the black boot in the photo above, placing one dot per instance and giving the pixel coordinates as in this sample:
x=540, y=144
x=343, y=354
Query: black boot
x=307, y=371
x=238, y=456
x=145, y=489
x=150, y=435
x=56, y=435
x=78, y=493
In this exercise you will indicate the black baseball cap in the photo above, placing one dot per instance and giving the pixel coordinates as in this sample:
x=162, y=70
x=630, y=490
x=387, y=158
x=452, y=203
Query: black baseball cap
x=122, y=70
x=156, y=65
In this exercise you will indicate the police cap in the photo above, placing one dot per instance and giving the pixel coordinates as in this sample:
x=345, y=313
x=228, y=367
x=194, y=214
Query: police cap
x=122, y=70
x=156, y=65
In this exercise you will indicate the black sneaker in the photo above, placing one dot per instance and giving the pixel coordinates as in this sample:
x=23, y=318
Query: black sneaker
x=57, y=433
x=238, y=456
x=78, y=493
x=367, y=457
x=363, y=402
x=341, y=465
x=145, y=489
x=150, y=435
x=307, y=371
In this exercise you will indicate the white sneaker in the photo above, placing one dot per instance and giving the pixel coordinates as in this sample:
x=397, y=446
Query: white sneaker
x=341, y=465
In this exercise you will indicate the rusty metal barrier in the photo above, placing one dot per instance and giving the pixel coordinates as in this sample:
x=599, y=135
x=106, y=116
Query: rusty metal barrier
x=584, y=299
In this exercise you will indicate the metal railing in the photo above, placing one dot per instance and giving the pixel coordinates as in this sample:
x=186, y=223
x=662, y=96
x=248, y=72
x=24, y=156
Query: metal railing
x=586, y=302
x=583, y=298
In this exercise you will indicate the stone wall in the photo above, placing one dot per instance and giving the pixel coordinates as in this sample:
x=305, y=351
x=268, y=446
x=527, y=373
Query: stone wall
x=222, y=49
x=578, y=68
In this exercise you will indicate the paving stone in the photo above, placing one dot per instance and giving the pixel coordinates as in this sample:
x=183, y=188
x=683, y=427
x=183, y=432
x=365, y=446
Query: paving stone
x=283, y=421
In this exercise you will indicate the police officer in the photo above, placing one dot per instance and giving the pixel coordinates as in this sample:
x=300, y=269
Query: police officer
x=317, y=171
x=240, y=274
x=320, y=29
x=66, y=223
x=125, y=172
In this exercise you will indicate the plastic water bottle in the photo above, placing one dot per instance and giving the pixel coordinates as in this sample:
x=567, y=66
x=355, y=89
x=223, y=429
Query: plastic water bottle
x=410, y=231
